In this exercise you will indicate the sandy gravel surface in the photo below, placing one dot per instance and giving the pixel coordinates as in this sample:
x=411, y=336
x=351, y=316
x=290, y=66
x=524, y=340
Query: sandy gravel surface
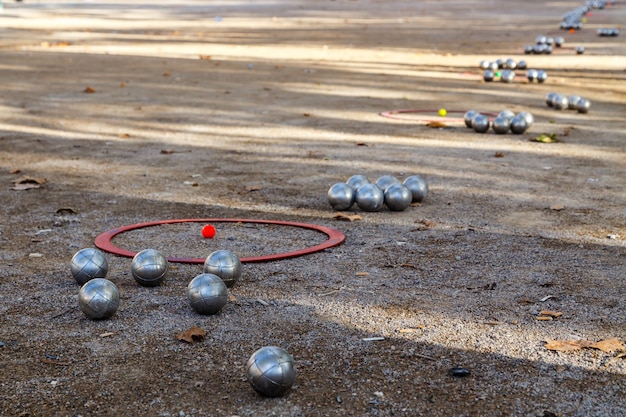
x=135, y=112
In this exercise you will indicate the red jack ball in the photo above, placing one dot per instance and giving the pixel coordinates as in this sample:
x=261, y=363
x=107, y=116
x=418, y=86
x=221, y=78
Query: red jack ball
x=208, y=231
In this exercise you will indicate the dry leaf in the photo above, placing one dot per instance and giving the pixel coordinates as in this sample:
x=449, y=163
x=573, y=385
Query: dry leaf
x=15, y=171
x=253, y=188
x=550, y=313
x=107, y=334
x=166, y=74
x=89, y=90
x=306, y=114
x=206, y=57
x=608, y=345
x=26, y=183
x=435, y=124
x=557, y=207
x=54, y=362
x=544, y=318
x=123, y=136
x=362, y=274
x=347, y=217
x=363, y=144
x=499, y=155
x=167, y=151
x=193, y=334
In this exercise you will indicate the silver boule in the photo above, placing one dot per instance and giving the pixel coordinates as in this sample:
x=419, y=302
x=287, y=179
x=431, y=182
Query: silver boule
x=522, y=65
x=398, y=197
x=341, y=196
x=572, y=101
x=511, y=63
x=580, y=50
x=385, y=181
x=560, y=102
x=583, y=105
x=541, y=76
x=507, y=76
x=99, y=298
x=480, y=123
x=225, y=264
x=501, y=125
x=370, y=197
x=506, y=113
x=484, y=64
x=531, y=74
x=493, y=66
x=358, y=180
x=488, y=75
x=468, y=116
x=271, y=371
x=518, y=125
x=418, y=187
x=530, y=120
x=559, y=41
x=149, y=268
x=207, y=294
x=550, y=99
x=87, y=264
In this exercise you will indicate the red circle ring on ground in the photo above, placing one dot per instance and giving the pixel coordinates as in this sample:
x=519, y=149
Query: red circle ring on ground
x=335, y=237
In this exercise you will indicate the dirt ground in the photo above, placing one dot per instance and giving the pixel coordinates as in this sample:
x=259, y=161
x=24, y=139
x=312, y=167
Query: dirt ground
x=135, y=111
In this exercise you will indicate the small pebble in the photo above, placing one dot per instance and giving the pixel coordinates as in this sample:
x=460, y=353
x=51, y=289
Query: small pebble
x=1, y=344
x=460, y=372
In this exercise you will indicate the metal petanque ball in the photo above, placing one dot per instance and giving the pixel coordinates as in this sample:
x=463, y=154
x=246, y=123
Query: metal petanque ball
x=468, y=116
x=559, y=41
x=506, y=113
x=522, y=65
x=370, y=197
x=541, y=76
x=149, y=267
x=341, y=196
x=580, y=50
x=207, y=294
x=385, y=181
x=87, y=264
x=493, y=66
x=528, y=49
x=583, y=105
x=99, y=298
x=488, y=75
x=501, y=124
x=530, y=120
x=418, y=187
x=572, y=101
x=560, y=102
x=398, y=197
x=357, y=181
x=511, y=63
x=483, y=64
x=550, y=99
x=225, y=265
x=519, y=125
x=507, y=76
x=531, y=74
x=271, y=371
x=480, y=123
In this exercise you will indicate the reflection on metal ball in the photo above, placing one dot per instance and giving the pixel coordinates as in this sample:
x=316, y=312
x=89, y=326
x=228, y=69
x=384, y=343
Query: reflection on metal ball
x=370, y=197
x=271, y=371
x=99, y=298
x=149, y=267
x=207, y=293
x=225, y=265
x=341, y=196
x=398, y=197
x=87, y=264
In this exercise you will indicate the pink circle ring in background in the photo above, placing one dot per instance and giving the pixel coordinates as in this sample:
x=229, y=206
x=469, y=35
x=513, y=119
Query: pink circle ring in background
x=335, y=237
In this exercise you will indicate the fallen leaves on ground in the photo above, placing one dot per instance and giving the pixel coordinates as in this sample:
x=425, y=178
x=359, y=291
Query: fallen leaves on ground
x=546, y=138
x=347, y=217
x=607, y=345
x=191, y=335
x=89, y=90
x=435, y=124
x=26, y=183
x=499, y=155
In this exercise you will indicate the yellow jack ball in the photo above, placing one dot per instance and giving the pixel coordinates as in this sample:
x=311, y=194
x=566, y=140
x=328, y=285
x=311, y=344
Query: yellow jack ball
x=443, y=112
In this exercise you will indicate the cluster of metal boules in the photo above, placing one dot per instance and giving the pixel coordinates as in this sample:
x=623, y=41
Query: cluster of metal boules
x=573, y=102
x=505, y=120
x=608, y=32
x=536, y=75
x=371, y=196
x=508, y=63
x=544, y=45
x=573, y=19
